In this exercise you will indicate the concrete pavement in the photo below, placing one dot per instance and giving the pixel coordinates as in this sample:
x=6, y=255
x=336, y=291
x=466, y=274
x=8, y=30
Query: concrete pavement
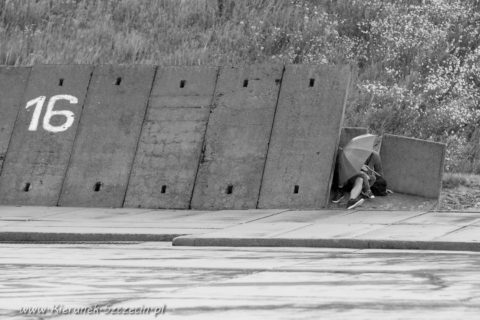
x=428, y=230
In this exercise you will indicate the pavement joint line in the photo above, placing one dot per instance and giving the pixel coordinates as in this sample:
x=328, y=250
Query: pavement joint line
x=405, y=219
x=385, y=225
x=263, y=217
x=70, y=210
x=456, y=230
x=290, y=230
x=361, y=233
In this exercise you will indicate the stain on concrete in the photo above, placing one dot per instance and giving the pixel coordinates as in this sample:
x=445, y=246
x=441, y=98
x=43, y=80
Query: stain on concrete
x=170, y=146
x=237, y=137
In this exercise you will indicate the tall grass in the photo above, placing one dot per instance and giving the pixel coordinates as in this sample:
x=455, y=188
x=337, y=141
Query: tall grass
x=163, y=32
x=173, y=32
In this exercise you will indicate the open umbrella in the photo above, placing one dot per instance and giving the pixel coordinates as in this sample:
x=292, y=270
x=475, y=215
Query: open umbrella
x=353, y=156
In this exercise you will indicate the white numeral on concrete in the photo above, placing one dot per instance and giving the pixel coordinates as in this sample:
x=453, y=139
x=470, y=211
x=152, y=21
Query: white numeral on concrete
x=40, y=101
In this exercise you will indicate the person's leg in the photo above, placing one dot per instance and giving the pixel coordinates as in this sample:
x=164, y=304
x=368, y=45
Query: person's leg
x=367, y=182
x=357, y=187
x=355, y=199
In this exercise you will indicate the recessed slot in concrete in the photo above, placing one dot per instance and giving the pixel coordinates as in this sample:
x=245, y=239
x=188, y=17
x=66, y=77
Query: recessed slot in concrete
x=245, y=83
x=97, y=186
x=60, y=82
x=27, y=187
x=118, y=81
x=164, y=189
x=182, y=83
x=312, y=82
x=229, y=189
x=295, y=189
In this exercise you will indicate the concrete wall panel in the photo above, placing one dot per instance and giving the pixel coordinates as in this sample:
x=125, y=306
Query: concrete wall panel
x=237, y=138
x=13, y=81
x=107, y=137
x=169, y=150
x=413, y=166
x=43, y=136
x=305, y=136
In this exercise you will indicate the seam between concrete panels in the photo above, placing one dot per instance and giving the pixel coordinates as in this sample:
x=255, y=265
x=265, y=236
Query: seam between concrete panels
x=22, y=100
x=211, y=107
x=270, y=136
x=79, y=128
x=147, y=108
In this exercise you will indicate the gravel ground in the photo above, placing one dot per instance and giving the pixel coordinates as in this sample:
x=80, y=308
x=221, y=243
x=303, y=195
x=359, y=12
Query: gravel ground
x=460, y=192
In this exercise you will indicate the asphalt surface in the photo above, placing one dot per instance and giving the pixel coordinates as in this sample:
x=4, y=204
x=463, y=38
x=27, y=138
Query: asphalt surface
x=235, y=283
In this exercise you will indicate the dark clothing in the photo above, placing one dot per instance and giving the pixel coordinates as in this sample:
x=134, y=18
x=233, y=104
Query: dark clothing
x=368, y=175
x=375, y=163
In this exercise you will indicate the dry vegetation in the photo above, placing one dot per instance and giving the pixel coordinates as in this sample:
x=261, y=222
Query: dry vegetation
x=460, y=192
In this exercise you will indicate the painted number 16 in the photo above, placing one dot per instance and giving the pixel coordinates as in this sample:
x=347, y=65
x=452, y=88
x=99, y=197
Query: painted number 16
x=40, y=101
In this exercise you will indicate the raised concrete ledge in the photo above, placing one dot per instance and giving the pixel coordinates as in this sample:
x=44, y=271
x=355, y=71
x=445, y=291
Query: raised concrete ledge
x=327, y=243
x=39, y=237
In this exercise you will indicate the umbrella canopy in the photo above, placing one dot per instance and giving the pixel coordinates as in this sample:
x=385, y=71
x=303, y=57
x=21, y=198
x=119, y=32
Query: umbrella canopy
x=354, y=155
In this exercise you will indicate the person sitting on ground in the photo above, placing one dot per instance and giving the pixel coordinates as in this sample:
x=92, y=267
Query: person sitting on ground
x=360, y=184
x=363, y=182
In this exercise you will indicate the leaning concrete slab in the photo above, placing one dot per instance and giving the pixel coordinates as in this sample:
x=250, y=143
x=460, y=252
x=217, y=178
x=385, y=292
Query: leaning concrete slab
x=12, y=87
x=108, y=135
x=237, y=138
x=43, y=136
x=306, y=132
x=166, y=162
x=413, y=166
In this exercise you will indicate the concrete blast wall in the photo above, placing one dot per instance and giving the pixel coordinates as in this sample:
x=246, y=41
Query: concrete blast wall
x=413, y=166
x=237, y=138
x=12, y=88
x=170, y=146
x=171, y=137
x=43, y=136
x=108, y=136
x=305, y=137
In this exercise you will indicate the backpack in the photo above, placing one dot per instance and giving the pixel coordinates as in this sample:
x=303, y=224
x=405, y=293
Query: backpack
x=379, y=187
